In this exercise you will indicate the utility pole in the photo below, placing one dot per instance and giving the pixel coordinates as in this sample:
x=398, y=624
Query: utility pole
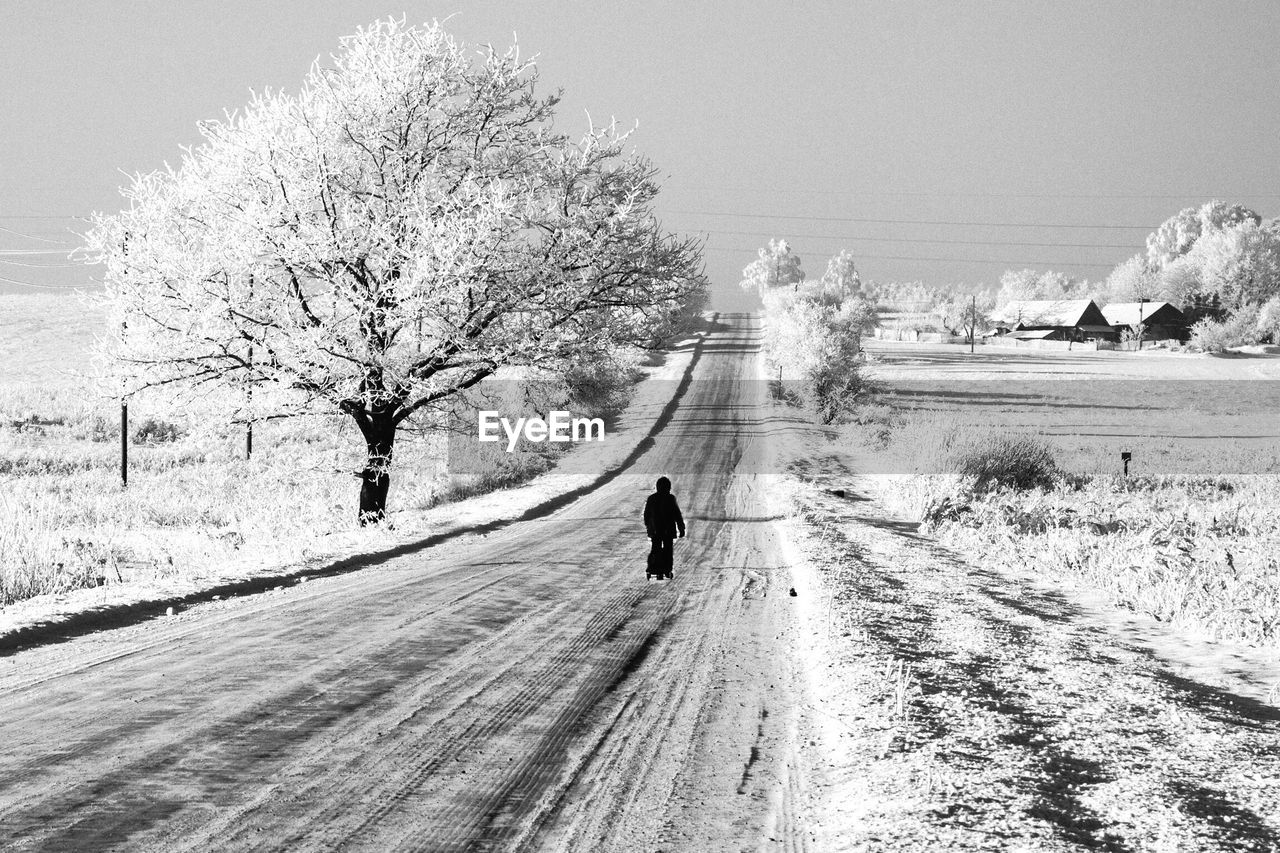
x=124, y=427
x=124, y=441
x=973, y=321
x=1141, y=305
x=248, y=430
x=124, y=398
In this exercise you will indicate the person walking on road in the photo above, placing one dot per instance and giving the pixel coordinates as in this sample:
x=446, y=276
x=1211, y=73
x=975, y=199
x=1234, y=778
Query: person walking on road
x=662, y=521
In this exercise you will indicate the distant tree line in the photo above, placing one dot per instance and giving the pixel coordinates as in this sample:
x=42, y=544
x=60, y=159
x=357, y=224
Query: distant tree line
x=1218, y=263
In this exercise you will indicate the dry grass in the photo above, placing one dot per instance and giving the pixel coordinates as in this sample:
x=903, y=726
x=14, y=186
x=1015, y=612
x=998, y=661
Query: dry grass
x=1197, y=554
x=985, y=459
x=193, y=504
x=1200, y=553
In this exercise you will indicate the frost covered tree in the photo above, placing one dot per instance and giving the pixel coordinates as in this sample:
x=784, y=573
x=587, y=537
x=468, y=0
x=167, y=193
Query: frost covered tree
x=1269, y=320
x=976, y=315
x=1133, y=280
x=841, y=281
x=404, y=226
x=904, y=295
x=1021, y=285
x=1241, y=263
x=775, y=266
x=1181, y=282
x=1235, y=265
x=1018, y=285
x=840, y=288
x=817, y=341
x=1177, y=234
x=964, y=313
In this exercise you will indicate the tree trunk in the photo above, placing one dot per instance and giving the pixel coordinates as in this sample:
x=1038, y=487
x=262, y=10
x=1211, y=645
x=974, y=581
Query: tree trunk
x=379, y=435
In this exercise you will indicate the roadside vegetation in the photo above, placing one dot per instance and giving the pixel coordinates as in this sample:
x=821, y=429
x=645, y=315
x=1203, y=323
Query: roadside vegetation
x=350, y=270
x=1025, y=472
x=195, y=505
x=813, y=330
x=1218, y=263
x=409, y=223
x=1197, y=552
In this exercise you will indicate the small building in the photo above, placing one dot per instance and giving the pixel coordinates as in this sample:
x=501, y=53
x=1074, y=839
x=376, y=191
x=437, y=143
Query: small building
x=1053, y=320
x=1160, y=320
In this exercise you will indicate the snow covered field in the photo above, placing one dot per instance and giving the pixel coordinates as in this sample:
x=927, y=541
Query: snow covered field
x=197, y=519
x=1023, y=676
x=821, y=675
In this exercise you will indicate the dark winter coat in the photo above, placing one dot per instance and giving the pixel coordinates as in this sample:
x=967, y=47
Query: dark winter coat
x=662, y=518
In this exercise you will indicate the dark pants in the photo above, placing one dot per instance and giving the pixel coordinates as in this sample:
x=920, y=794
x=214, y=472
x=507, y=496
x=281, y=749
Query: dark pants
x=660, y=553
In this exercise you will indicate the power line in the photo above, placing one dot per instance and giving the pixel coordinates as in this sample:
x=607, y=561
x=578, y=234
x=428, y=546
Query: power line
x=37, y=266
x=920, y=240
x=933, y=194
x=7, y=280
x=948, y=260
x=31, y=236
x=915, y=221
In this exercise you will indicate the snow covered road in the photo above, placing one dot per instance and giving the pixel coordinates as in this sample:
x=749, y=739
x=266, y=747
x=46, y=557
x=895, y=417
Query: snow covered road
x=527, y=689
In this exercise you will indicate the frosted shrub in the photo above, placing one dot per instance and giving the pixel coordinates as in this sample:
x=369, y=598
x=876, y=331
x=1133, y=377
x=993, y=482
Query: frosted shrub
x=819, y=345
x=1269, y=320
x=1011, y=461
x=1239, y=329
x=602, y=388
x=155, y=431
x=987, y=460
x=1199, y=553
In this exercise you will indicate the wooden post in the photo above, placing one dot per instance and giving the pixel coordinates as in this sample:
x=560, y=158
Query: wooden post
x=124, y=420
x=124, y=441
x=973, y=322
x=248, y=394
x=248, y=429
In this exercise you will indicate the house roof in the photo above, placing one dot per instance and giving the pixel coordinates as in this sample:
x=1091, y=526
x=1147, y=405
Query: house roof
x=1037, y=334
x=1128, y=313
x=1037, y=313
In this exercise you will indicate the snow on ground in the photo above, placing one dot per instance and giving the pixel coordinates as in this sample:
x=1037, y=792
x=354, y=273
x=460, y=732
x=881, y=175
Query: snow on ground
x=956, y=706
x=525, y=690
x=959, y=707
x=893, y=360
x=44, y=336
x=577, y=470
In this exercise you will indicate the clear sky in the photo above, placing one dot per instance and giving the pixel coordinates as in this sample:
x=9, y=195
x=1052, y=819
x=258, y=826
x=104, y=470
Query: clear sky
x=941, y=141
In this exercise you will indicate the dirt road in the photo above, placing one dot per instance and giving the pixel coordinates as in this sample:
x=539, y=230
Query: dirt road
x=523, y=690
x=966, y=707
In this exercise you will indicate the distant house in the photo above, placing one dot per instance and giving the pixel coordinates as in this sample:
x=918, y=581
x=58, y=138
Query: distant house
x=1161, y=320
x=1053, y=320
